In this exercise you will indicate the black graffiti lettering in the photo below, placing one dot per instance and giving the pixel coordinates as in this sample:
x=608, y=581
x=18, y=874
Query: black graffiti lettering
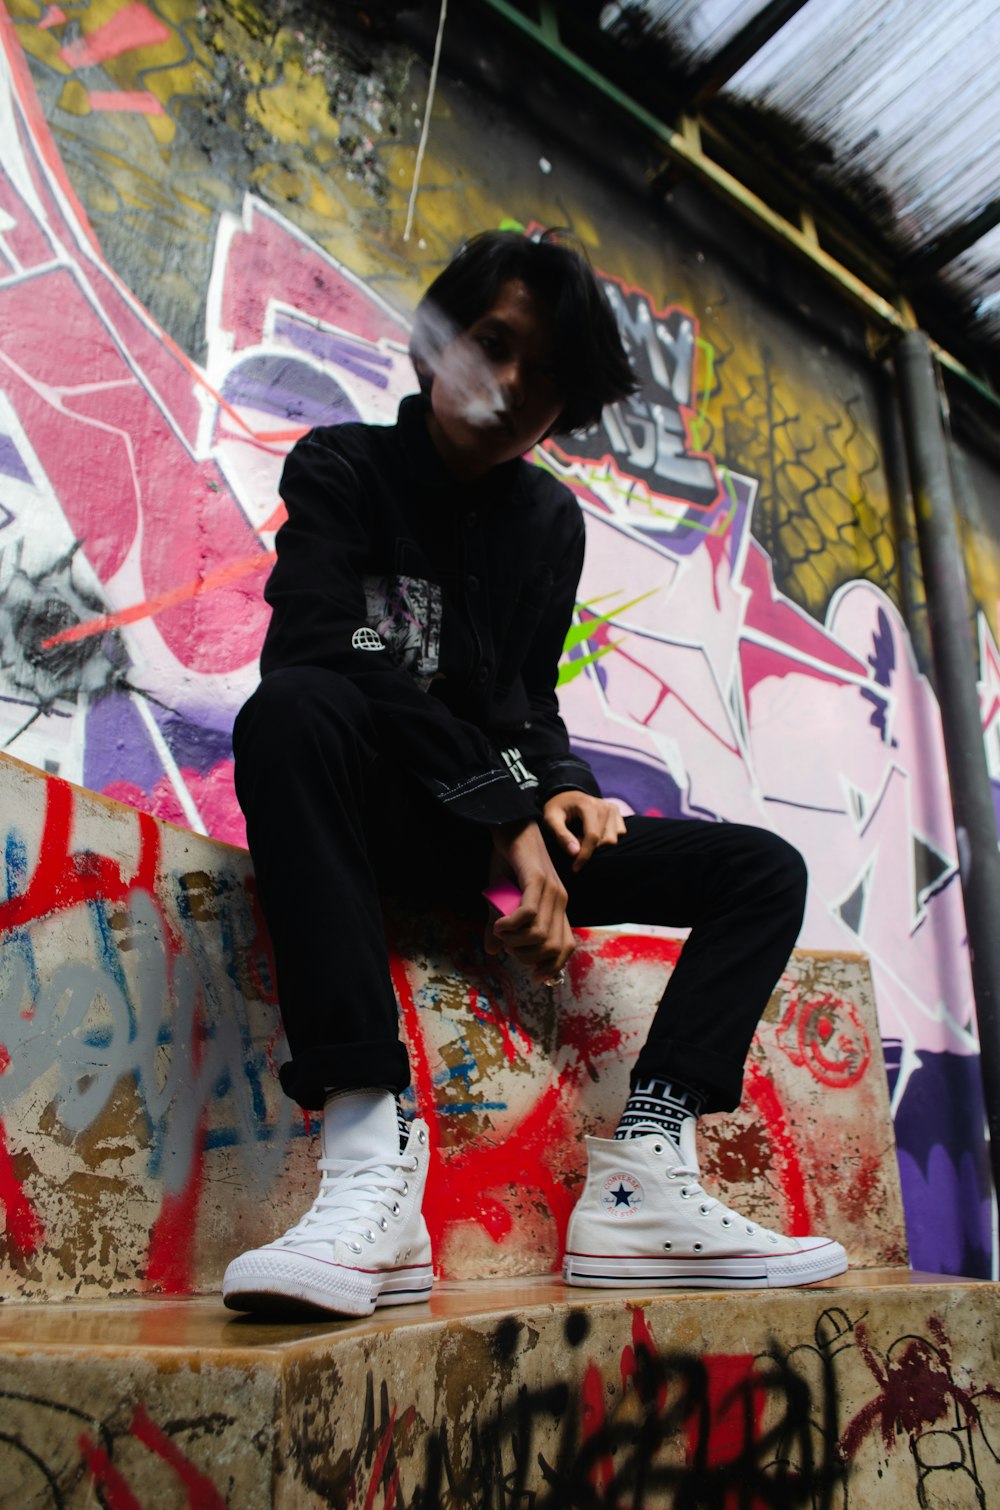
x=680, y=1429
x=646, y=434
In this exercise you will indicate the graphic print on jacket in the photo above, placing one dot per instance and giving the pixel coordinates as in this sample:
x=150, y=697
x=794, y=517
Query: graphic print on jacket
x=406, y=613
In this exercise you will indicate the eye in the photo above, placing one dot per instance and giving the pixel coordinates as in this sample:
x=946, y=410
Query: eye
x=491, y=346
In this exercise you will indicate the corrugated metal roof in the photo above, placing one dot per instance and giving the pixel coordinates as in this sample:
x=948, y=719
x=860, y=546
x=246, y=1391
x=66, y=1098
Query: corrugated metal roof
x=891, y=105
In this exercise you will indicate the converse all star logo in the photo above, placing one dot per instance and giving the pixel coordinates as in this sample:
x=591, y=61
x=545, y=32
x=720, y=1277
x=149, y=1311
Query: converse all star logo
x=621, y=1195
x=366, y=639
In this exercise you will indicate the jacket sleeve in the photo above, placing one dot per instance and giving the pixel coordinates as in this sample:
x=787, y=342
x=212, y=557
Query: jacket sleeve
x=544, y=742
x=317, y=596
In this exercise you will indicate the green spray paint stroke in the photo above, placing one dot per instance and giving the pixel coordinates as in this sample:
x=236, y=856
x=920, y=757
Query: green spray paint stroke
x=583, y=630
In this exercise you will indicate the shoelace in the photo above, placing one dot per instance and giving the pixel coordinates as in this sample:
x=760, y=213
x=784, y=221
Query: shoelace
x=693, y=1187
x=348, y=1201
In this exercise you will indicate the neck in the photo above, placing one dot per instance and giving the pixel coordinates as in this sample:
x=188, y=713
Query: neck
x=462, y=466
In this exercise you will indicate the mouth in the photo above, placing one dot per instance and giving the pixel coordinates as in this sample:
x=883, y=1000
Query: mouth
x=487, y=417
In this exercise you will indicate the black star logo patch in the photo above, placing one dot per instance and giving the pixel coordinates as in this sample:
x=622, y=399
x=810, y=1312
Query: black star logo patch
x=622, y=1196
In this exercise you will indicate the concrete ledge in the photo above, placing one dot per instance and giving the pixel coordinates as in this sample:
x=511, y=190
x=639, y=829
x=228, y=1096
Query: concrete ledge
x=871, y=1390
x=145, y=1140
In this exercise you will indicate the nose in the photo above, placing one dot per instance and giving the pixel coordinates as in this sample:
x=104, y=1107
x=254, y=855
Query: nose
x=512, y=383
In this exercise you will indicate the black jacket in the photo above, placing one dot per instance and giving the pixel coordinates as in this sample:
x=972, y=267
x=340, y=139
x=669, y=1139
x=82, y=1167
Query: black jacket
x=446, y=603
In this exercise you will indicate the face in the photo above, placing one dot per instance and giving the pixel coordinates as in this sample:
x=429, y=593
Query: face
x=494, y=392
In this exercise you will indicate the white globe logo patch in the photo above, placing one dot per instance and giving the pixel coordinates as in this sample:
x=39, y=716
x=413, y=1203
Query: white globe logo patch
x=366, y=639
x=621, y=1195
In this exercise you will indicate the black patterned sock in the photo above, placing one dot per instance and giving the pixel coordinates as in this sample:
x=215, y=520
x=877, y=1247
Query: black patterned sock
x=402, y=1124
x=659, y=1106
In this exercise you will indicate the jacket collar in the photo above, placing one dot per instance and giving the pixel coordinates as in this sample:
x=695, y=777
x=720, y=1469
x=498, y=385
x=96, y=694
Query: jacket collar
x=506, y=481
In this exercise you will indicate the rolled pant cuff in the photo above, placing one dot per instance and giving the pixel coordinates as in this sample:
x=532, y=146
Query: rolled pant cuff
x=715, y=1074
x=344, y=1067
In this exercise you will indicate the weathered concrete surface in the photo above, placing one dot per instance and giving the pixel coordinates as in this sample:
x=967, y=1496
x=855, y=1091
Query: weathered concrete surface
x=876, y=1390
x=514, y=1075
x=145, y=1141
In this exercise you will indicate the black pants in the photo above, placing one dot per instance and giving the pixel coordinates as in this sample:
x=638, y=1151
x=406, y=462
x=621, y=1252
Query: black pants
x=332, y=825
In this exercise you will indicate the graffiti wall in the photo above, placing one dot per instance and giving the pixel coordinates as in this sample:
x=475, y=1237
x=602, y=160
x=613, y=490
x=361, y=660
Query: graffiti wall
x=201, y=256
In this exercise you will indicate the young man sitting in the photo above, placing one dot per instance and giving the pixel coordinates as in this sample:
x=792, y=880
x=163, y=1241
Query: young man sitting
x=406, y=730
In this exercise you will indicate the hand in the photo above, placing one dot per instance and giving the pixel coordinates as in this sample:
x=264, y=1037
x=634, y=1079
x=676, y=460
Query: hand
x=537, y=932
x=599, y=822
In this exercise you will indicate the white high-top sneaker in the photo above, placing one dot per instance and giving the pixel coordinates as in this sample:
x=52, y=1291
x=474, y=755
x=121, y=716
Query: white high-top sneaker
x=644, y=1219
x=363, y=1242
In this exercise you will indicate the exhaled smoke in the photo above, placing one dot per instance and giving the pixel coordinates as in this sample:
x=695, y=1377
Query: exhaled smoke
x=459, y=362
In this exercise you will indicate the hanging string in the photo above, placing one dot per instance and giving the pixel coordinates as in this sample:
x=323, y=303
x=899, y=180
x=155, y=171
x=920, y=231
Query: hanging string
x=427, y=121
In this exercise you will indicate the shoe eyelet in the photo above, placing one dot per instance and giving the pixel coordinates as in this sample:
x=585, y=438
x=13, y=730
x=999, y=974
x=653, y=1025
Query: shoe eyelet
x=383, y=1224
x=727, y=1221
x=394, y=1208
x=751, y=1229
x=667, y=1247
x=657, y=1147
x=354, y=1247
x=697, y=1247
x=406, y=1187
x=704, y=1210
x=421, y=1136
x=369, y=1236
x=772, y=1238
x=685, y=1194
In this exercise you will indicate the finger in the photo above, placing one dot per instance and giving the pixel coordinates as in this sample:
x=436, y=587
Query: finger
x=564, y=834
x=614, y=827
x=543, y=971
x=592, y=831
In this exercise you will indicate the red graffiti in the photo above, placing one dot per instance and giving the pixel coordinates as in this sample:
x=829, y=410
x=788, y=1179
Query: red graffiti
x=730, y=1423
x=107, y=1480
x=826, y=1036
x=916, y=1390
x=111, y=1485
x=170, y=1264
x=484, y=1011
x=378, y=1469
x=468, y=1184
x=729, y=1418
x=793, y=1184
x=647, y=948
x=202, y=1493
x=593, y=1422
x=643, y=1341
x=24, y=1227
x=63, y=880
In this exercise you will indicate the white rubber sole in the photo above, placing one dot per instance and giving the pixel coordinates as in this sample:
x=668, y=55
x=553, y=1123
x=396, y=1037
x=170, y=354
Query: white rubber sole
x=747, y=1272
x=283, y=1283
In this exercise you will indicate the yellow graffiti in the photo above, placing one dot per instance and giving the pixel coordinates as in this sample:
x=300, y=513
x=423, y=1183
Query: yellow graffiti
x=268, y=98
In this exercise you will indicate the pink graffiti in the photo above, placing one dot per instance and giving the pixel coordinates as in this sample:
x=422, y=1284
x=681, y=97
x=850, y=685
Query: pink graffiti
x=129, y=101
x=129, y=28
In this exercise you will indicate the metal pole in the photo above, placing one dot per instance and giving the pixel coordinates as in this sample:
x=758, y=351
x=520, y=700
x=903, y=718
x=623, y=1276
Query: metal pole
x=956, y=676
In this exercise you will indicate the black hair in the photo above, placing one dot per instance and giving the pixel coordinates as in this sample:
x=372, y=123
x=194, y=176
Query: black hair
x=592, y=368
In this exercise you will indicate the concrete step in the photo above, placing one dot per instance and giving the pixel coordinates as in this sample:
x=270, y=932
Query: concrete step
x=874, y=1390
x=145, y=1141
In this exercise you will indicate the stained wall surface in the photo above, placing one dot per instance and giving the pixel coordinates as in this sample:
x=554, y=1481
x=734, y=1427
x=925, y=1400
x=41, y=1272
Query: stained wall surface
x=201, y=255
x=145, y=1141
x=848, y=1395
